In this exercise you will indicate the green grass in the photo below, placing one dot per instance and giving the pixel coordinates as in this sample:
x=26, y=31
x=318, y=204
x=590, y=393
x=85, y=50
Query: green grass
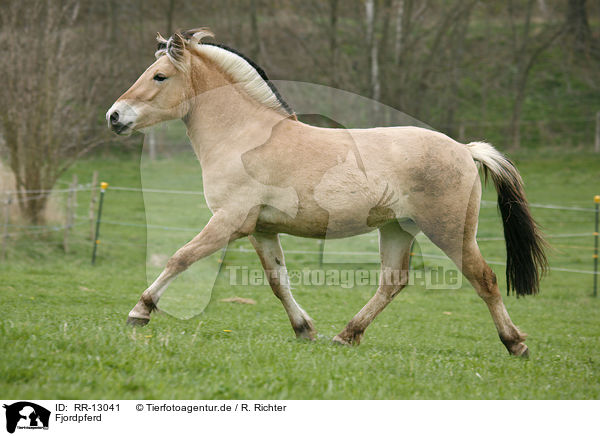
x=63, y=332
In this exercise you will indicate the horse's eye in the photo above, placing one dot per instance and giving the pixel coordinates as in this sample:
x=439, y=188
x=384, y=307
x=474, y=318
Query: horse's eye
x=159, y=77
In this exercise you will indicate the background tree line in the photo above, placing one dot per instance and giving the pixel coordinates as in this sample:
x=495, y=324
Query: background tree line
x=519, y=73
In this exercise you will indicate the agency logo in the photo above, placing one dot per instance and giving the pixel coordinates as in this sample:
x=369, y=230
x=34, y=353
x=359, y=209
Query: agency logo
x=26, y=415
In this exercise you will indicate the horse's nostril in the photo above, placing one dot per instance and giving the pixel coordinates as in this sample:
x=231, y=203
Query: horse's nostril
x=114, y=118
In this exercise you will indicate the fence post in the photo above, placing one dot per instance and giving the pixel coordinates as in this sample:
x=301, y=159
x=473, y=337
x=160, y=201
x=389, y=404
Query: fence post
x=71, y=205
x=597, y=141
x=103, y=187
x=67, y=219
x=93, y=204
x=7, y=202
x=597, y=201
x=321, y=243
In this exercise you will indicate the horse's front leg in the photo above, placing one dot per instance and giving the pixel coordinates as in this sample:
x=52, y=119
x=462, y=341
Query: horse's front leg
x=221, y=229
x=269, y=251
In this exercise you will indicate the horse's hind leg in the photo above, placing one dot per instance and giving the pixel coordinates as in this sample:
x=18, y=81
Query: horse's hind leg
x=394, y=248
x=270, y=253
x=455, y=235
x=483, y=279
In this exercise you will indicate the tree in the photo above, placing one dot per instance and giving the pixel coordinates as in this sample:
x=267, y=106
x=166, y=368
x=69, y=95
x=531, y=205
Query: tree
x=527, y=46
x=255, y=34
x=333, y=42
x=373, y=50
x=170, y=13
x=52, y=80
x=578, y=27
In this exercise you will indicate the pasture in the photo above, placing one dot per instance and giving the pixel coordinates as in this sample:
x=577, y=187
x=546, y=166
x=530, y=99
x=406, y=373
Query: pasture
x=63, y=332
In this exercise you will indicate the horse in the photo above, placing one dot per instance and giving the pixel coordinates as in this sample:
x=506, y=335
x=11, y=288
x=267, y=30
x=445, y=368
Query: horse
x=265, y=172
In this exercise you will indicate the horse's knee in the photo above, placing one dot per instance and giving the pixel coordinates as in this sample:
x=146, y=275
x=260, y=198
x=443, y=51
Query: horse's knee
x=178, y=263
x=392, y=282
x=387, y=293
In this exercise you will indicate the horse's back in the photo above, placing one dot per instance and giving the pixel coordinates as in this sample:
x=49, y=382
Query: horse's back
x=352, y=181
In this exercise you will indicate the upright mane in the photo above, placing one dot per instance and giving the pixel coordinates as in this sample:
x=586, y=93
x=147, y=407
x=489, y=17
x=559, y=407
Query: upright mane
x=245, y=71
x=240, y=68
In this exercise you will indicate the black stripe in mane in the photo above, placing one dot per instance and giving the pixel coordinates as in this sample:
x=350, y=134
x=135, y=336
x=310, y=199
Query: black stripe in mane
x=260, y=71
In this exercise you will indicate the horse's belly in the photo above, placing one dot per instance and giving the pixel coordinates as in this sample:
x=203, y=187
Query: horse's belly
x=338, y=221
x=308, y=227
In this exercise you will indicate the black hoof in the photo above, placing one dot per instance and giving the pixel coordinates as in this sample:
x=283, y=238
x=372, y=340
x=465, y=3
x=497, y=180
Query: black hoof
x=305, y=331
x=137, y=322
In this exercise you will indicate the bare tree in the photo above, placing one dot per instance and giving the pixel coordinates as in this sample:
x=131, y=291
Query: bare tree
x=255, y=35
x=457, y=37
x=398, y=40
x=51, y=83
x=170, y=12
x=333, y=42
x=373, y=47
x=578, y=26
x=408, y=18
x=527, y=45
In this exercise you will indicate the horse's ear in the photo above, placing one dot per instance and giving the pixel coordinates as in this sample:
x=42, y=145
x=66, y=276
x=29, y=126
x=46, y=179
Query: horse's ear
x=162, y=42
x=195, y=35
x=176, y=48
x=160, y=38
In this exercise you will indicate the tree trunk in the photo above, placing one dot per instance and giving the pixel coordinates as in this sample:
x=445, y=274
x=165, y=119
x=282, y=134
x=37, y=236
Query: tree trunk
x=170, y=13
x=519, y=85
x=517, y=110
x=457, y=37
x=525, y=55
x=32, y=207
x=402, y=25
x=333, y=45
x=375, y=84
x=113, y=31
x=398, y=35
x=255, y=47
x=578, y=26
x=383, y=48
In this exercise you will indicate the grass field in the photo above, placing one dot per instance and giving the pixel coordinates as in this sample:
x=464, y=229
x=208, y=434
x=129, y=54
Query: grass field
x=63, y=332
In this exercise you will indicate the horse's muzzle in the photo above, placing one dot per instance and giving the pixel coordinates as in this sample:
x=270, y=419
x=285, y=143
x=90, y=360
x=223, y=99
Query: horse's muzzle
x=120, y=118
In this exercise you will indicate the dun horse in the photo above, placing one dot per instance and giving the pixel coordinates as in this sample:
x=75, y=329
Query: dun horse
x=266, y=173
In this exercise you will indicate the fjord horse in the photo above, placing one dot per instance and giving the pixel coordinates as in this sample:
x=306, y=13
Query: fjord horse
x=264, y=173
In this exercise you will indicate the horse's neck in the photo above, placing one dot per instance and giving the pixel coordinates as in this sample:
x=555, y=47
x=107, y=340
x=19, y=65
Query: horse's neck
x=224, y=123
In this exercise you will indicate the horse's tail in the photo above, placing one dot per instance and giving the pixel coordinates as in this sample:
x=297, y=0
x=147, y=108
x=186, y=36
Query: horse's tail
x=525, y=258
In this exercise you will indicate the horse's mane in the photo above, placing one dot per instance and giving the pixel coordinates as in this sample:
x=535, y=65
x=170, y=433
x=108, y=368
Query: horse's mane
x=239, y=67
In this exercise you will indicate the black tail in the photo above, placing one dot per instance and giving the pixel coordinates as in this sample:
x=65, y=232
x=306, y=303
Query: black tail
x=525, y=258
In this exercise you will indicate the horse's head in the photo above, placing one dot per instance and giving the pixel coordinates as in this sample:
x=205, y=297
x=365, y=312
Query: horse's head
x=163, y=91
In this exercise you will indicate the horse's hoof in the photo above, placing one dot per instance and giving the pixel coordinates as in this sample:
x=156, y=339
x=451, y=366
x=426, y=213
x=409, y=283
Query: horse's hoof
x=525, y=353
x=339, y=341
x=305, y=331
x=520, y=350
x=137, y=322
